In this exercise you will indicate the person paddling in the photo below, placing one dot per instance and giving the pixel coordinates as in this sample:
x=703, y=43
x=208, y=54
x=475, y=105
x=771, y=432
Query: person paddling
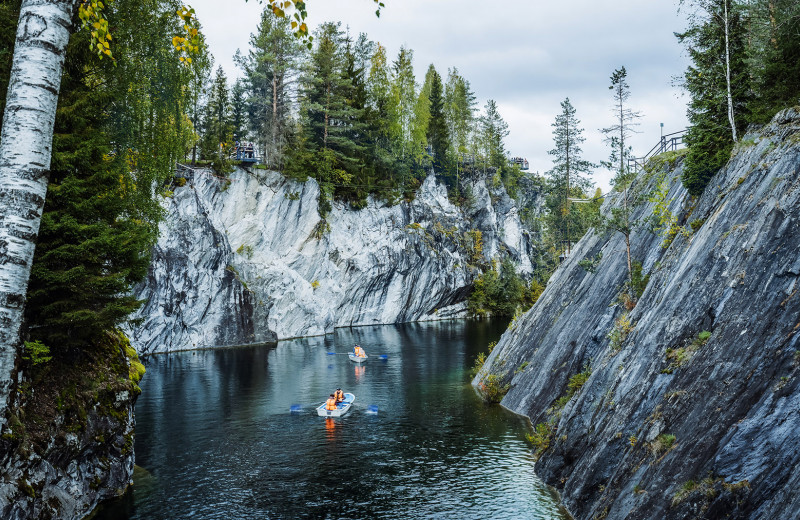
x=330, y=404
x=358, y=351
x=338, y=395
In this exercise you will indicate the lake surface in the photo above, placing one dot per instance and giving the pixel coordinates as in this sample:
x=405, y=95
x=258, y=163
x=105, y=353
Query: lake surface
x=216, y=439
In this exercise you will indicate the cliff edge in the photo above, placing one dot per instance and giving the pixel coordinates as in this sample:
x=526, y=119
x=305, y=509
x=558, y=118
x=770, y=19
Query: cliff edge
x=686, y=405
x=248, y=259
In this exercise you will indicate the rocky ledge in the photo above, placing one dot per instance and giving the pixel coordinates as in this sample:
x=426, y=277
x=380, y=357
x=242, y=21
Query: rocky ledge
x=686, y=405
x=68, y=444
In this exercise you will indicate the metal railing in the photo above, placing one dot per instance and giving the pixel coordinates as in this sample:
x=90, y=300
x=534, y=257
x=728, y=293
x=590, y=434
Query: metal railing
x=668, y=143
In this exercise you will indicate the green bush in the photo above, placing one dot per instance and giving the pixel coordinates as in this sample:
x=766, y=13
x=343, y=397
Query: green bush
x=493, y=389
x=500, y=292
x=476, y=367
x=577, y=381
x=590, y=264
x=36, y=352
x=245, y=250
x=540, y=438
x=696, y=224
x=678, y=357
x=622, y=327
x=662, y=444
x=702, y=338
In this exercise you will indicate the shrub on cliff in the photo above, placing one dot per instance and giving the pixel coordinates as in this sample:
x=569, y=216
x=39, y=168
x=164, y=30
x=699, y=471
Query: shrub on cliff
x=501, y=292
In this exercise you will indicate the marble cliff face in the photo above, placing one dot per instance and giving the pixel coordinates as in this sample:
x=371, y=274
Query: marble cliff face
x=691, y=409
x=250, y=260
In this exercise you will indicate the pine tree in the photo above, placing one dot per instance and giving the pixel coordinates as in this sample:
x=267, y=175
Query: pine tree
x=617, y=135
x=271, y=68
x=568, y=178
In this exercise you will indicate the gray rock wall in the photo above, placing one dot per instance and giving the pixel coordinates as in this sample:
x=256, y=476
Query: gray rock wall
x=248, y=261
x=732, y=404
x=69, y=443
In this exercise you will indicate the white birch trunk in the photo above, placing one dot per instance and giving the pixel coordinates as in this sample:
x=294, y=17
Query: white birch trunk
x=726, y=22
x=25, y=149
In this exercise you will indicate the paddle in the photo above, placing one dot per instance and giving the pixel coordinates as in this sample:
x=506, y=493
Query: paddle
x=372, y=409
x=382, y=356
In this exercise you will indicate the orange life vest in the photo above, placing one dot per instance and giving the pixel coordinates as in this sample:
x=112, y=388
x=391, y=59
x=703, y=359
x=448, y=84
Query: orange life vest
x=339, y=396
x=360, y=352
x=330, y=404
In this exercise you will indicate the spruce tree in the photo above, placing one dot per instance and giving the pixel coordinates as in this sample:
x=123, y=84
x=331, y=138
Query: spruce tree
x=437, y=133
x=718, y=82
x=333, y=114
x=355, y=137
x=217, y=141
x=379, y=113
x=568, y=178
x=773, y=56
x=238, y=111
x=493, y=131
x=459, y=109
x=403, y=101
x=97, y=227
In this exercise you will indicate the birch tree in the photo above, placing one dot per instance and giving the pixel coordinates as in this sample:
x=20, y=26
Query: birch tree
x=25, y=149
x=718, y=82
x=26, y=143
x=718, y=12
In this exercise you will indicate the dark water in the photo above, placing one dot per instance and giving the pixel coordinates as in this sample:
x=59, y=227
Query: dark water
x=217, y=441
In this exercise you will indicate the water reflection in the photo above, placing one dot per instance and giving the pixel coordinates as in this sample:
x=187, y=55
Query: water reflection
x=214, y=430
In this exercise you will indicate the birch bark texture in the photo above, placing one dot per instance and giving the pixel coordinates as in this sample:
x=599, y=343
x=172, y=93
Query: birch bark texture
x=25, y=149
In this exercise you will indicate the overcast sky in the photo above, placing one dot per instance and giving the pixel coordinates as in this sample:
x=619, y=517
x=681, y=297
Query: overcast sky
x=526, y=55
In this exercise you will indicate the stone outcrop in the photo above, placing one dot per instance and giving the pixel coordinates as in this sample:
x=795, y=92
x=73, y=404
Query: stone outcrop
x=249, y=260
x=69, y=442
x=688, y=404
